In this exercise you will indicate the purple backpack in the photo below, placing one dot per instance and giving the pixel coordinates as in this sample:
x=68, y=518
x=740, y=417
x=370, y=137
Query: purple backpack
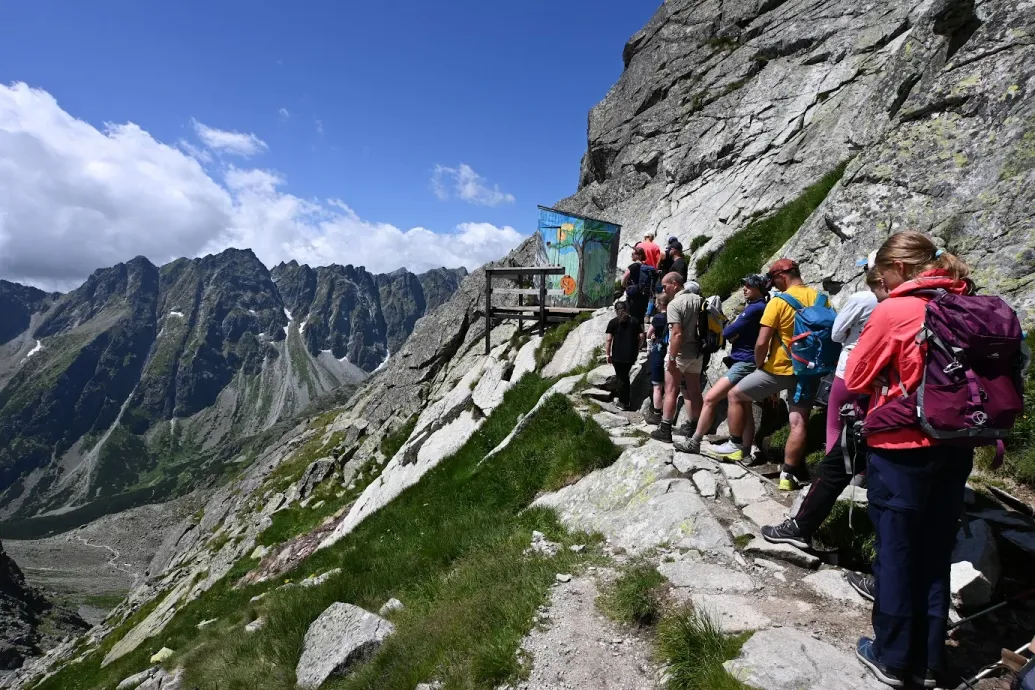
x=972, y=390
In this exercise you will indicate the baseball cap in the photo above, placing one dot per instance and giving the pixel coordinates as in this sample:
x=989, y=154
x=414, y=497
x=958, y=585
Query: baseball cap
x=759, y=282
x=649, y=233
x=673, y=240
x=675, y=245
x=782, y=266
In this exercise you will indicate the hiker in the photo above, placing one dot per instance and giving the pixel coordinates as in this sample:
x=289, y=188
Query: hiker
x=624, y=339
x=742, y=332
x=651, y=251
x=916, y=482
x=657, y=333
x=637, y=281
x=848, y=327
x=833, y=473
x=683, y=361
x=665, y=265
x=678, y=261
x=774, y=373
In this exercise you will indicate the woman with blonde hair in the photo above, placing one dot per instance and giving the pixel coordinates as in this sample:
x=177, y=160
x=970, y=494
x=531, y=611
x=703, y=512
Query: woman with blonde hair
x=915, y=483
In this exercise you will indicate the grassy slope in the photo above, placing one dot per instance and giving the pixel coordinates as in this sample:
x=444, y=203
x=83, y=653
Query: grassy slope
x=746, y=251
x=451, y=548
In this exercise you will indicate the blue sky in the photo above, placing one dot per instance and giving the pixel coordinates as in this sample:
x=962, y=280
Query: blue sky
x=357, y=102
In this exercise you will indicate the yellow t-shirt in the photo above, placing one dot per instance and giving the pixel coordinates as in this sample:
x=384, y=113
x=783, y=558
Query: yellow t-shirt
x=780, y=316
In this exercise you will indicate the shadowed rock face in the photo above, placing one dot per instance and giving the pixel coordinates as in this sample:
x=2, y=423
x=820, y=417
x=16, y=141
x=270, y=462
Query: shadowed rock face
x=22, y=611
x=728, y=110
x=144, y=366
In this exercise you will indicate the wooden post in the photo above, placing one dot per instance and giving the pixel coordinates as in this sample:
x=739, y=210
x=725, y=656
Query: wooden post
x=521, y=301
x=488, y=310
x=542, y=304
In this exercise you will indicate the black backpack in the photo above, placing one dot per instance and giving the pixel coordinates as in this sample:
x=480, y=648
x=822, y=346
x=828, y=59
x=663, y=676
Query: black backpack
x=643, y=285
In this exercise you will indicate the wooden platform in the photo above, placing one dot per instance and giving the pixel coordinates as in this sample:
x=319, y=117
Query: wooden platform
x=540, y=312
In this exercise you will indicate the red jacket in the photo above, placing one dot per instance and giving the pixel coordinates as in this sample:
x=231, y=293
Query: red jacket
x=888, y=353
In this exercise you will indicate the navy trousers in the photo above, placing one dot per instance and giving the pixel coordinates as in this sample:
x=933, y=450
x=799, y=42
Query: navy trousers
x=916, y=497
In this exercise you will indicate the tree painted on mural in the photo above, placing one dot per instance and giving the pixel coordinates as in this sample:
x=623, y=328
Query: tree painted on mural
x=586, y=248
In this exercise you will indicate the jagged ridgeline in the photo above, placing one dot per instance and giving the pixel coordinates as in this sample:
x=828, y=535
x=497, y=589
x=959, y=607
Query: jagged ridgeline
x=147, y=381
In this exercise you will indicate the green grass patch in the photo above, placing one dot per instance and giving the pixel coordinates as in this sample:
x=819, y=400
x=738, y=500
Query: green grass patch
x=815, y=439
x=694, y=649
x=555, y=337
x=451, y=548
x=853, y=536
x=636, y=596
x=391, y=443
x=314, y=449
x=698, y=242
x=747, y=250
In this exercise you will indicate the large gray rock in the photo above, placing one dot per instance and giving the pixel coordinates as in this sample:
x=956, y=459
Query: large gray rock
x=975, y=565
x=317, y=472
x=706, y=577
x=343, y=636
x=580, y=345
x=732, y=614
x=787, y=659
x=637, y=504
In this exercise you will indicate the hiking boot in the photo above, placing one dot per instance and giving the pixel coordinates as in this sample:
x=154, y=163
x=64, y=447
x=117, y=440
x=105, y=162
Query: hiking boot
x=786, y=532
x=691, y=445
x=928, y=680
x=727, y=452
x=652, y=417
x=663, y=433
x=865, y=653
x=793, y=478
x=863, y=584
x=754, y=458
x=688, y=429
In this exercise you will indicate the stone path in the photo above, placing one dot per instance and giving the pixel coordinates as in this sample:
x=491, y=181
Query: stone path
x=575, y=647
x=685, y=513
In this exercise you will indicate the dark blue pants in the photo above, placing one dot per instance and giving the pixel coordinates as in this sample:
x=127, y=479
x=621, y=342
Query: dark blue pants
x=916, y=497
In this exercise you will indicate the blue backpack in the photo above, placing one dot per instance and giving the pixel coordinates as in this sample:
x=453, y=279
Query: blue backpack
x=812, y=350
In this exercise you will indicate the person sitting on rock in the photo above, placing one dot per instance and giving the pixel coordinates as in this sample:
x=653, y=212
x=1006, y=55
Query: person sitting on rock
x=624, y=339
x=683, y=362
x=657, y=334
x=742, y=333
x=774, y=374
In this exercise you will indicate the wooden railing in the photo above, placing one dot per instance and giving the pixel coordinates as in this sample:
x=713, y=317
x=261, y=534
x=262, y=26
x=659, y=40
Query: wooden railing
x=540, y=312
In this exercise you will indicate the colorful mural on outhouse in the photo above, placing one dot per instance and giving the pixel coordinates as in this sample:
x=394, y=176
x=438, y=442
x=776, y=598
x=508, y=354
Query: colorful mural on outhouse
x=588, y=250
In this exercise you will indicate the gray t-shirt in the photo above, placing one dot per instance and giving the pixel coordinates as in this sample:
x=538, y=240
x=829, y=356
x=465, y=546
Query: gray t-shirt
x=684, y=310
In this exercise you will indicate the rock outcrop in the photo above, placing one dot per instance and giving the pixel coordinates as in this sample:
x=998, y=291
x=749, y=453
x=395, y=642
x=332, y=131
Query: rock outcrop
x=729, y=110
x=29, y=622
x=343, y=636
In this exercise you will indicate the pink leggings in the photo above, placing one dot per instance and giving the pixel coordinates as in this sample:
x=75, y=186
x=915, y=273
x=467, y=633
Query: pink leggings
x=839, y=395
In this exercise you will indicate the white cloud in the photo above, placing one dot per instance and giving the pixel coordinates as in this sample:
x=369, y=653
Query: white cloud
x=319, y=126
x=226, y=141
x=284, y=113
x=465, y=184
x=74, y=198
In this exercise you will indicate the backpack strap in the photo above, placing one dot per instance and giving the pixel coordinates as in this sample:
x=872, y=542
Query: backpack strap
x=796, y=306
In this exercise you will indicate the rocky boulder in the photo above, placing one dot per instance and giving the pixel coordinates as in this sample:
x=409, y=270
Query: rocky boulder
x=343, y=636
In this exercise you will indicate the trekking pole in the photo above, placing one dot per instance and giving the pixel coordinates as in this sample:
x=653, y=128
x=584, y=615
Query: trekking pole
x=1006, y=602
x=986, y=672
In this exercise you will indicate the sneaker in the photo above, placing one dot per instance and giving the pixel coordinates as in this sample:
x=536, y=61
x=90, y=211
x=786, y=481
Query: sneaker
x=692, y=444
x=663, y=433
x=727, y=452
x=865, y=653
x=786, y=532
x=928, y=680
x=652, y=417
x=863, y=584
x=754, y=458
x=793, y=478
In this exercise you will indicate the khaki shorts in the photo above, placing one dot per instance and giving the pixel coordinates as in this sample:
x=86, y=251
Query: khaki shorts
x=760, y=384
x=689, y=365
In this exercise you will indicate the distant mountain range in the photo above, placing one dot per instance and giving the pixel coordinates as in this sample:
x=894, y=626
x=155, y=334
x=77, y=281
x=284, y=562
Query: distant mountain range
x=149, y=380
